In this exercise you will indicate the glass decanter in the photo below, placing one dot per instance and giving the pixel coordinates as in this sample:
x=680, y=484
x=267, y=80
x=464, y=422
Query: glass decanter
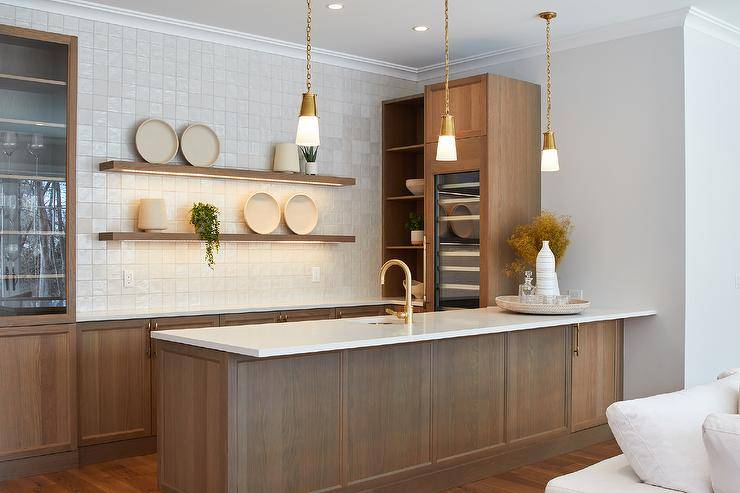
x=526, y=290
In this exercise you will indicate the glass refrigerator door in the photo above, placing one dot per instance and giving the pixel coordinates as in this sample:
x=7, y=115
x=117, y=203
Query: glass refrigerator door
x=457, y=240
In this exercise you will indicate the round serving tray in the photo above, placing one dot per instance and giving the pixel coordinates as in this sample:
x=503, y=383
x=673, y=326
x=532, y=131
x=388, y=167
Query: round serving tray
x=513, y=304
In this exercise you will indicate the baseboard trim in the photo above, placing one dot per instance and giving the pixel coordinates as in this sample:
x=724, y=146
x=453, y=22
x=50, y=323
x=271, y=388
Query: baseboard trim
x=42, y=464
x=103, y=452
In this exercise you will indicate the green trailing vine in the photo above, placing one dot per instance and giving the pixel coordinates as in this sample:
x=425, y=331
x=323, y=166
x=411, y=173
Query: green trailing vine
x=205, y=219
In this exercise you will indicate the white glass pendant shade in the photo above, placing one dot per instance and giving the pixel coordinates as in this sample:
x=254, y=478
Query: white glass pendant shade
x=308, y=131
x=550, y=160
x=446, y=148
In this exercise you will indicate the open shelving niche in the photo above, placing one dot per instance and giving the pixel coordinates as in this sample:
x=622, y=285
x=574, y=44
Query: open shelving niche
x=228, y=174
x=403, y=158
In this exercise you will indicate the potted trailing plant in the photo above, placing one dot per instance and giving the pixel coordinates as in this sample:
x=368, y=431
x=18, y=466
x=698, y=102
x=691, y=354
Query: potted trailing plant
x=205, y=219
x=415, y=224
x=527, y=241
x=309, y=154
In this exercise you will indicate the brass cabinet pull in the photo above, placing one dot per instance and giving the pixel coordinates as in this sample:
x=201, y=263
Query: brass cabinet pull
x=156, y=325
x=577, y=344
x=149, y=342
x=340, y=314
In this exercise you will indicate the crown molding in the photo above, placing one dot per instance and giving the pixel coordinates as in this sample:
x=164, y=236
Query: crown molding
x=643, y=25
x=167, y=25
x=713, y=26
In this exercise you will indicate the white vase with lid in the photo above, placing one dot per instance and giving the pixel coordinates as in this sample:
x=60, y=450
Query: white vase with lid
x=547, y=278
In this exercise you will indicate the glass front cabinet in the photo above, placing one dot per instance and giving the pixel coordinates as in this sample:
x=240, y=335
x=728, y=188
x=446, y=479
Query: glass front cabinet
x=37, y=137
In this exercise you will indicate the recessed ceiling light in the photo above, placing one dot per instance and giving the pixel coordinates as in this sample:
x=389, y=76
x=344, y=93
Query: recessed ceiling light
x=335, y=6
x=420, y=29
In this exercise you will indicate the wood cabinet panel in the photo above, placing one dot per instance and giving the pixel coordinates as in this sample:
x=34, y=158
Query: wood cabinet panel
x=468, y=104
x=308, y=314
x=360, y=311
x=469, y=394
x=471, y=156
x=192, y=443
x=595, y=372
x=291, y=407
x=37, y=391
x=174, y=323
x=249, y=318
x=536, y=383
x=114, y=381
x=388, y=400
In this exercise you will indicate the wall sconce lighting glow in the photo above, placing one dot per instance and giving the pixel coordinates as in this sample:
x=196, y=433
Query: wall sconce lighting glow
x=335, y=6
x=420, y=29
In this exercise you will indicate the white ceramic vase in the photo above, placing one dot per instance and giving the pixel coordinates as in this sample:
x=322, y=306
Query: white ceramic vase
x=417, y=237
x=152, y=215
x=286, y=158
x=547, y=279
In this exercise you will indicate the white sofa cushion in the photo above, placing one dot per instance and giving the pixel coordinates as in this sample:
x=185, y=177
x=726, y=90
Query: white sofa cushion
x=722, y=442
x=728, y=373
x=610, y=476
x=661, y=436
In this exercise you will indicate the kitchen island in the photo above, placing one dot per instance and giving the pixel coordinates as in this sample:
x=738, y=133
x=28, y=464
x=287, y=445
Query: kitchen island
x=370, y=403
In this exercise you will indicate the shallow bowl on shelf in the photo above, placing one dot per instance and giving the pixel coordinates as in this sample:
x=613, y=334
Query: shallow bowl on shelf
x=512, y=304
x=415, y=186
x=417, y=289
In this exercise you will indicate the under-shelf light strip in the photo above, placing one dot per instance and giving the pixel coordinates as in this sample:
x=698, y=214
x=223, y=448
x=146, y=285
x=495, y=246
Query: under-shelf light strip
x=231, y=177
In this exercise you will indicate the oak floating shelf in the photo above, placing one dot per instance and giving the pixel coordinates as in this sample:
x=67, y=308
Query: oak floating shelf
x=406, y=197
x=224, y=173
x=244, y=237
x=410, y=148
x=405, y=247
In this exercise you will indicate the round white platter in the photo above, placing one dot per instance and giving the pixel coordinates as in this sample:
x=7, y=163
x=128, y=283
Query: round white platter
x=156, y=141
x=301, y=214
x=200, y=145
x=513, y=304
x=262, y=213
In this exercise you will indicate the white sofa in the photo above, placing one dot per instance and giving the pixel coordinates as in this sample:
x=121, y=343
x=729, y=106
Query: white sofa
x=662, y=437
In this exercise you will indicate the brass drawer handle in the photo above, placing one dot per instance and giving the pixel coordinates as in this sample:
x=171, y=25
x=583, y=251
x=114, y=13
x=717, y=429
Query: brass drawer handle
x=577, y=344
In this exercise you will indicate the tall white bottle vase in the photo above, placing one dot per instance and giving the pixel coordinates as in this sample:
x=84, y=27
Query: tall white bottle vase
x=547, y=279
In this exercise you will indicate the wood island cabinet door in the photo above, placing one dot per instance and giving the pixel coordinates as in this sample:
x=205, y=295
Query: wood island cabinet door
x=596, y=372
x=360, y=311
x=308, y=314
x=536, y=384
x=253, y=318
x=114, y=381
x=468, y=104
x=37, y=402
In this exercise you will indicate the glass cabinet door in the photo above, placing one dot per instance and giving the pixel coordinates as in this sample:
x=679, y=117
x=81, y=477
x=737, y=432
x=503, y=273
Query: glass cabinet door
x=33, y=176
x=457, y=240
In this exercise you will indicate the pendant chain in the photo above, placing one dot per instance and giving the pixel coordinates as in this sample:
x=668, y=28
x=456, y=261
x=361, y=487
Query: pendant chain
x=549, y=79
x=447, y=62
x=308, y=45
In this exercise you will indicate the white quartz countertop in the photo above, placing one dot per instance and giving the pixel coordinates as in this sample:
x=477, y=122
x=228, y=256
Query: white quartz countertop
x=282, y=339
x=95, y=316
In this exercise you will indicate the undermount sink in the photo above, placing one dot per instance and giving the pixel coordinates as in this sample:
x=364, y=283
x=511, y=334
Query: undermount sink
x=384, y=320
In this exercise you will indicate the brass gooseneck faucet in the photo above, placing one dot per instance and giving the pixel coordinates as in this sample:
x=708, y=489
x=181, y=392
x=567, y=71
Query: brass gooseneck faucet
x=408, y=314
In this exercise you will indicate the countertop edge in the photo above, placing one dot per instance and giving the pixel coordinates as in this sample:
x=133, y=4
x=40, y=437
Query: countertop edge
x=174, y=336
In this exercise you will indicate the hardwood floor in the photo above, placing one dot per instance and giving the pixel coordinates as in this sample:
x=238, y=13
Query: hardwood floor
x=138, y=475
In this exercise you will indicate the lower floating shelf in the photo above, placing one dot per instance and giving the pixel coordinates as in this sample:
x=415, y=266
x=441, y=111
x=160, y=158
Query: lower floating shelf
x=252, y=237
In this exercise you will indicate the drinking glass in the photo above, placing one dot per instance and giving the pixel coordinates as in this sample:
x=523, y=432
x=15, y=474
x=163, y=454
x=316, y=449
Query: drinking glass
x=35, y=146
x=575, y=294
x=9, y=143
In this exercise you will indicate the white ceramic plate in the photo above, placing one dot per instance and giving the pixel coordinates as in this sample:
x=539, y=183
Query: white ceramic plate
x=156, y=141
x=301, y=214
x=262, y=213
x=465, y=229
x=200, y=145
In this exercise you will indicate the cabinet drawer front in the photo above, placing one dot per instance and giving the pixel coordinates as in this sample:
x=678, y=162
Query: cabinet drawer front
x=37, y=386
x=468, y=101
x=471, y=156
x=114, y=381
x=312, y=314
x=174, y=323
x=360, y=311
x=249, y=318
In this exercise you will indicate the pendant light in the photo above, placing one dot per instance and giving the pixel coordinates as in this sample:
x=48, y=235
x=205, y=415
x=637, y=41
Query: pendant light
x=549, y=150
x=308, y=120
x=446, y=147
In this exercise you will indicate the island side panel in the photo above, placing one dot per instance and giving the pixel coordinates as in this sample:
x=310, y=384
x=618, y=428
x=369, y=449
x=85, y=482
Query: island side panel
x=289, y=424
x=469, y=395
x=537, y=385
x=388, y=410
x=192, y=438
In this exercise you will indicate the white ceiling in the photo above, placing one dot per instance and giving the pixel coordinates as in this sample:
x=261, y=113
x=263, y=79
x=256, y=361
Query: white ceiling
x=381, y=29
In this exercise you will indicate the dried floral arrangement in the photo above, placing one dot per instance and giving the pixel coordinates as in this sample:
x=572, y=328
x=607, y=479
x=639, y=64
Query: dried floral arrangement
x=526, y=241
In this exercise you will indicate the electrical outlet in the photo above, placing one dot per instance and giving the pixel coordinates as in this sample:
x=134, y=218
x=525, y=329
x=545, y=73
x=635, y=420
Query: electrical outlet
x=315, y=274
x=128, y=279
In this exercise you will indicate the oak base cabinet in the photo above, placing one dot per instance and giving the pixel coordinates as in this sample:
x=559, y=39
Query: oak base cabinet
x=37, y=391
x=114, y=381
